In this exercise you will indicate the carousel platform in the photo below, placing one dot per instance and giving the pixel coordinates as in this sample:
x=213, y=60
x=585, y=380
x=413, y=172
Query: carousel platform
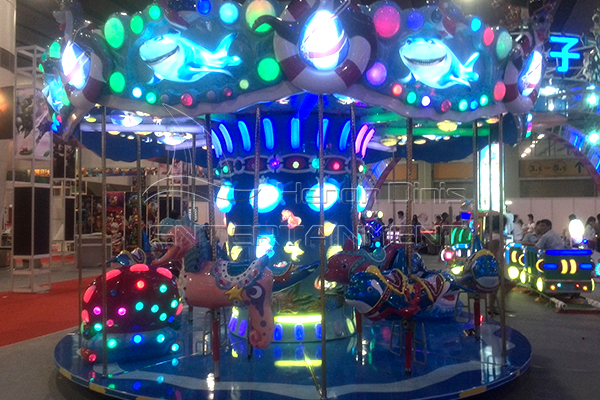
x=451, y=364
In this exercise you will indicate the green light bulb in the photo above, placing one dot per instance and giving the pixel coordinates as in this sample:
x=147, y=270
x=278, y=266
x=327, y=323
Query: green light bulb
x=54, y=50
x=137, y=24
x=483, y=100
x=114, y=32
x=151, y=98
x=154, y=12
x=117, y=82
x=268, y=69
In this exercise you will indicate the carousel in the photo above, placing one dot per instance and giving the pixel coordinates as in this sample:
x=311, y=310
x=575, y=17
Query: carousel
x=290, y=116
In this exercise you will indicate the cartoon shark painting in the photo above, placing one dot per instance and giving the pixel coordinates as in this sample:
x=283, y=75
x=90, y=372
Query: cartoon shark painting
x=430, y=61
x=178, y=59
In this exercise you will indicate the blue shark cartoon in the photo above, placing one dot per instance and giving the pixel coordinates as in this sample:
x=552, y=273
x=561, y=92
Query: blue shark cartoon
x=177, y=59
x=433, y=63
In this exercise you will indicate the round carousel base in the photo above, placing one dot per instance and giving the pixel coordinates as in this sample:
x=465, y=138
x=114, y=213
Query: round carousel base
x=449, y=362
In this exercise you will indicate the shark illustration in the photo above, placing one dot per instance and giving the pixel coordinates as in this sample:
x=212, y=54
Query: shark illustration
x=433, y=63
x=175, y=58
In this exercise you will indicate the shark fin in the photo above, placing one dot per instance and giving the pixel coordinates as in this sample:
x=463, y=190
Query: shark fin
x=408, y=78
x=196, y=69
x=459, y=80
x=225, y=43
x=154, y=80
x=471, y=62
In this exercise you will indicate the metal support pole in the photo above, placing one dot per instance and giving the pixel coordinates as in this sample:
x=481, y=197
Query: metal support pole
x=193, y=173
x=501, y=261
x=354, y=175
x=168, y=190
x=475, y=211
x=392, y=196
x=138, y=165
x=475, y=218
x=491, y=200
x=104, y=257
x=79, y=229
x=322, y=195
x=257, y=137
x=256, y=184
x=214, y=314
x=354, y=183
x=194, y=212
x=211, y=193
x=409, y=184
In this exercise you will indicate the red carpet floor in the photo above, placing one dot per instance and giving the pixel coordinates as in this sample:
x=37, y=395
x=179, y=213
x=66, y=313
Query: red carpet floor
x=25, y=316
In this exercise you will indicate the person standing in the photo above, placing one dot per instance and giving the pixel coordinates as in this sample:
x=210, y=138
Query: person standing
x=589, y=233
x=530, y=226
x=548, y=239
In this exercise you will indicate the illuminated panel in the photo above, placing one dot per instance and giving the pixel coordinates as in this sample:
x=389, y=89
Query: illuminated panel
x=269, y=136
x=313, y=196
x=343, y=145
x=360, y=137
x=325, y=125
x=565, y=54
x=245, y=136
x=227, y=137
x=75, y=65
x=569, y=252
x=269, y=197
x=532, y=73
x=225, y=197
x=323, y=43
x=216, y=144
x=368, y=138
x=362, y=198
x=295, y=133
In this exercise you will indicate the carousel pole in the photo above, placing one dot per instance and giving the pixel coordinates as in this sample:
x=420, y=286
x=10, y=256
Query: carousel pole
x=475, y=218
x=408, y=324
x=409, y=183
x=256, y=184
x=214, y=313
x=257, y=134
x=355, y=199
x=393, y=195
x=491, y=205
x=353, y=175
x=104, y=258
x=79, y=227
x=168, y=190
x=501, y=229
x=322, y=195
x=194, y=212
x=138, y=165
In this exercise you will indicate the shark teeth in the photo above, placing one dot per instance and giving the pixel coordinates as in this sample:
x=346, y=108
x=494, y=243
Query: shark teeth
x=431, y=61
x=162, y=58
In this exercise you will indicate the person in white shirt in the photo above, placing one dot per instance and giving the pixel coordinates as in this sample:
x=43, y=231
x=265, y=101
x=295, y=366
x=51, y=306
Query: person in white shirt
x=589, y=232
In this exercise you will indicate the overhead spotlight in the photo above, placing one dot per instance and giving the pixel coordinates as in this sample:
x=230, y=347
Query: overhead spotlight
x=528, y=150
x=592, y=99
x=541, y=136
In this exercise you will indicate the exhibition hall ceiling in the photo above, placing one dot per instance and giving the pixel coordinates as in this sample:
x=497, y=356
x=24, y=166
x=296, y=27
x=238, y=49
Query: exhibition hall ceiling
x=36, y=25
